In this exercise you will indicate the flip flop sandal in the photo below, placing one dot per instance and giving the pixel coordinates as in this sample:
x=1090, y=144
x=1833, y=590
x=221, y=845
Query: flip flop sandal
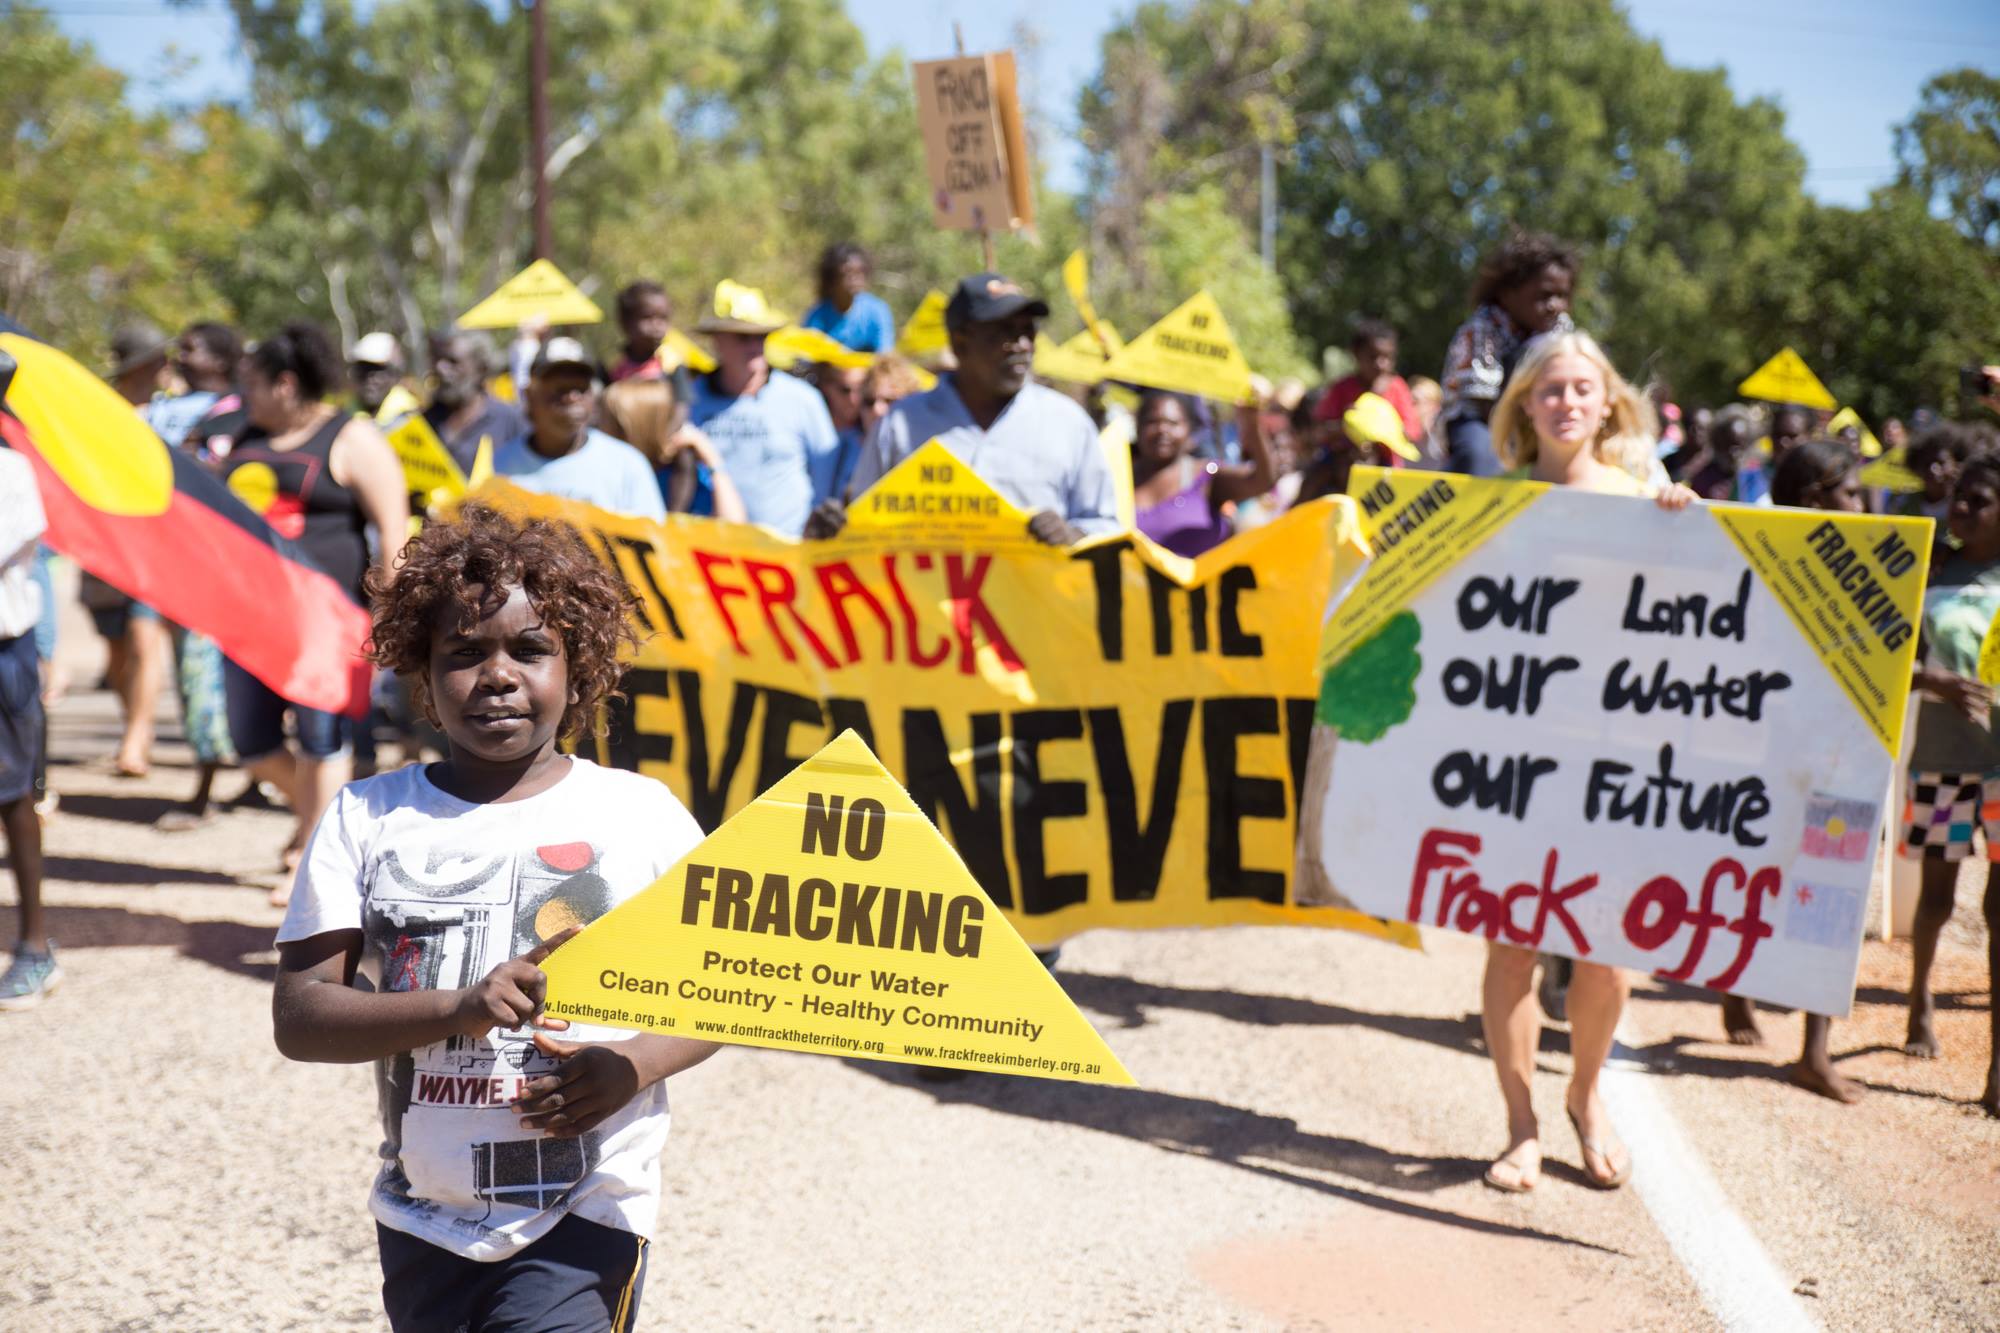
x=1589, y=1146
x=1522, y=1183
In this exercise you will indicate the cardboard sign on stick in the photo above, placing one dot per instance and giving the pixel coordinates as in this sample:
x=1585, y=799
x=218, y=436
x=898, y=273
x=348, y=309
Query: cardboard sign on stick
x=974, y=142
x=830, y=916
x=1582, y=725
x=1786, y=378
x=539, y=290
x=1190, y=351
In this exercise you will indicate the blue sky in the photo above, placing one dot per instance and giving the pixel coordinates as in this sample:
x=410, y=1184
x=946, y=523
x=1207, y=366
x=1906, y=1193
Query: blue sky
x=1845, y=71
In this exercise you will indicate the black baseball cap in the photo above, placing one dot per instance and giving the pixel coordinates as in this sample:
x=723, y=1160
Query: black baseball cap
x=988, y=296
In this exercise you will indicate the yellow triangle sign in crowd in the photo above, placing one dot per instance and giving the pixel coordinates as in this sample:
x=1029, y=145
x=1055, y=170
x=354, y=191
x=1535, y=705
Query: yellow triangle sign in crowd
x=539, y=291
x=1078, y=360
x=924, y=336
x=1786, y=378
x=829, y=915
x=1190, y=351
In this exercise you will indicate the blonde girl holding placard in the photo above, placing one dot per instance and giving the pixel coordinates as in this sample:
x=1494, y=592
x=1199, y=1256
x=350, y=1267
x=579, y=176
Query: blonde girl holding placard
x=1567, y=418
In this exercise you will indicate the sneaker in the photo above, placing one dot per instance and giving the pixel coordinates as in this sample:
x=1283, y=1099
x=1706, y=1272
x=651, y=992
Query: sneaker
x=29, y=979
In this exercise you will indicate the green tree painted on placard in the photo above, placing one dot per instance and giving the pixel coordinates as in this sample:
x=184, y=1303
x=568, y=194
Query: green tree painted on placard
x=1373, y=688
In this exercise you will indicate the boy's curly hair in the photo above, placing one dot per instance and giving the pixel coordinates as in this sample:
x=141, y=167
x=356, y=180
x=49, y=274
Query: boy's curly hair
x=578, y=598
x=1518, y=259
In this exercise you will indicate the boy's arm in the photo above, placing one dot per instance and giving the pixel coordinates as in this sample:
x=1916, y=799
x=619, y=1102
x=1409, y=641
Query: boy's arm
x=317, y=1015
x=597, y=1079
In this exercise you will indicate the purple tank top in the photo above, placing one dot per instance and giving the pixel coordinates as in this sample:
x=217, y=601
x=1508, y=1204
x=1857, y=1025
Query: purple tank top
x=1186, y=523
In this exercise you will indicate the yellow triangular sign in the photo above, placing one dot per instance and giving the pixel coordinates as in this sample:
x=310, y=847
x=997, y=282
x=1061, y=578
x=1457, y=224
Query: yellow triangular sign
x=399, y=402
x=428, y=467
x=934, y=495
x=795, y=343
x=1847, y=417
x=1190, y=351
x=1080, y=360
x=541, y=290
x=830, y=916
x=1076, y=280
x=924, y=336
x=482, y=464
x=1866, y=642
x=1891, y=473
x=1786, y=378
x=677, y=350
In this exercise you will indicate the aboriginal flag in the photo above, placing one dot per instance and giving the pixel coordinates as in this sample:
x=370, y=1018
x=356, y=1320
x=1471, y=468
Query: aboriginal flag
x=157, y=525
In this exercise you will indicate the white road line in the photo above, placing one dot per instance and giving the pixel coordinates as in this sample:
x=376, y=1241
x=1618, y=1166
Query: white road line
x=1740, y=1285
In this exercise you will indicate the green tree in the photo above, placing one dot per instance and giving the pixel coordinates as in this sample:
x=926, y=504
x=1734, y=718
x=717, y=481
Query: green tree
x=688, y=143
x=105, y=214
x=1950, y=151
x=1413, y=138
x=1890, y=302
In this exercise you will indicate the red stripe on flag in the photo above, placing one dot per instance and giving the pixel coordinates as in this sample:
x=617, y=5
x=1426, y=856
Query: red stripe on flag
x=286, y=623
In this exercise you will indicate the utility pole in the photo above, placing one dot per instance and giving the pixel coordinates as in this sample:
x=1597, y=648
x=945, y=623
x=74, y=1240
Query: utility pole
x=538, y=121
x=1268, y=232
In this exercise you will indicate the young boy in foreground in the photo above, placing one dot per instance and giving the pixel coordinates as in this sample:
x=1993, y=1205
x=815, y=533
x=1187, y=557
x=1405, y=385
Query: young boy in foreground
x=520, y=1173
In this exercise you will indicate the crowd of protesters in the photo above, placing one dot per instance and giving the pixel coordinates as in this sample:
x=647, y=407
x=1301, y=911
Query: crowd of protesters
x=1522, y=392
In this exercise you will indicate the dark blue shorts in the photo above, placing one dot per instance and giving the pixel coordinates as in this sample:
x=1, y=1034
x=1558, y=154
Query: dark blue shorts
x=21, y=719
x=1469, y=448
x=112, y=622
x=257, y=720
x=580, y=1278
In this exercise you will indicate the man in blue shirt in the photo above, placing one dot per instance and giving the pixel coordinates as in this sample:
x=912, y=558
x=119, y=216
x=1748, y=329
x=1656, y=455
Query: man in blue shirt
x=561, y=455
x=1030, y=443
x=772, y=430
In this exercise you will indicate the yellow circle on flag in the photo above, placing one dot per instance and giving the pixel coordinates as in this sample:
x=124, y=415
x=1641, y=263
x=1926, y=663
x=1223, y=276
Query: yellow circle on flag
x=89, y=436
x=255, y=484
x=1836, y=827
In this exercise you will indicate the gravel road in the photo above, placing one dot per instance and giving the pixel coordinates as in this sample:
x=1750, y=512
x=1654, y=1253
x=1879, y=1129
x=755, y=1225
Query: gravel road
x=1305, y=1151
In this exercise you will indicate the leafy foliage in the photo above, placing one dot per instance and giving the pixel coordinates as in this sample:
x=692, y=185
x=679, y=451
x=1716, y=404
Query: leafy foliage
x=105, y=214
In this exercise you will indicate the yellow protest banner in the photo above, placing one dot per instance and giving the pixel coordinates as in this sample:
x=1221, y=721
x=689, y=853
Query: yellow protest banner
x=1110, y=736
x=795, y=344
x=539, y=291
x=677, y=349
x=924, y=336
x=1848, y=419
x=829, y=916
x=430, y=473
x=1190, y=351
x=1786, y=378
x=1080, y=360
x=1989, y=654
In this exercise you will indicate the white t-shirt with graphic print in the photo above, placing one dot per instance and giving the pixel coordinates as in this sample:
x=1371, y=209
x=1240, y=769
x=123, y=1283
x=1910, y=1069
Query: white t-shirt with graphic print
x=443, y=891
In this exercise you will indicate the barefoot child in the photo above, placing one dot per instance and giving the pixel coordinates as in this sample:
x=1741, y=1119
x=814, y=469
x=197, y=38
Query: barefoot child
x=520, y=1173
x=1819, y=474
x=1955, y=763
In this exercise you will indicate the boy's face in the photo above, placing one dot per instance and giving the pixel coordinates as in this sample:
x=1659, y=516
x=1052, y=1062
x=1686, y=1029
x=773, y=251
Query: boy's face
x=1536, y=304
x=500, y=685
x=646, y=324
x=1375, y=360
